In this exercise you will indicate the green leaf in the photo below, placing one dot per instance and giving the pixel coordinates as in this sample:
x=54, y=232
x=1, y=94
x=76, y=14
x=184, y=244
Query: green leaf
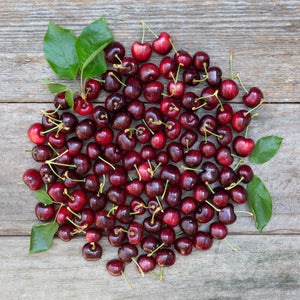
x=265, y=149
x=54, y=87
x=92, y=40
x=41, y=237
x=96, y=67
x=260, y=201
x=70, y=99
x=43, y=197
x=59, y=49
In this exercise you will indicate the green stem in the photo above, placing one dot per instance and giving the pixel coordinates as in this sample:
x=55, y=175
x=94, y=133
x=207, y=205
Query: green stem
x=164, y=193
x=257, y=106
x=210, y=188
x=148, y=127
x=230, y=61
x=138, y=172
x=73, y=212
x=234, y=249
x=107, y=162
x=113, y=74
x=160, y=206
x=234, y=184
x=124, y=276
x=139, y=267
x=150, y=254
x=239, y=78
x=214, y=207
x=156, y=36
x=245, y=212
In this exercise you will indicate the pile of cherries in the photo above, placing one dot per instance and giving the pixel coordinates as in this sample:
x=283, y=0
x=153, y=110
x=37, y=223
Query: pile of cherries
x=131, y=168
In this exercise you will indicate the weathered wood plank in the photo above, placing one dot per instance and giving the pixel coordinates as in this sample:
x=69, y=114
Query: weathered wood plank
x=264, y=38
x=17, y=212
x=266, y=267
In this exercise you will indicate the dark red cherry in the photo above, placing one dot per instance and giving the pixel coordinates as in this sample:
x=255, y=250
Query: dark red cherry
x=211, y=101
x=126, y=140
x=173, y=195
x=48, y=119
x=114, y=52
x=189, y=225
x=207, y=122
x=228, y=89
x=66, y=232
x=218, y=230
x=135, y=234
x=97, y=202
x=82, y=106
x=220, y=197
x=177, y=89
x=172, y=129
x=153, y=118
x=162, y=158
x=115, y=102
x=91, y=183
x=149, y=243
x=171, y=217
x=188, y=180
x=223, y=156
x=56, y=139
x=227, y=215
x=44, y=212
x=121, y=121
x=224, y=114
x=167, y=236
x=215, y=76
x=56, y=192
x=189, y=120
x=41, y=153
x=103, y=221
x=152, y=225
x=131, y=159
x=112, y=153
x=168, y=67
x=165, y=257
x=100, y=116
x=85, y=129
x=82, y=163
x=85, y=218
x=188, y=139
x=162, y=44
x=146, y=263
x=199, y=59
x=202, y=240
x=91, y=251
x=115, y=267
x=245, y=172
x=148, y=72
x=145, y=171
x=153, y=91
x=100, y=168
x=183, y=58
x=74, y=145
x=208, y=150
x=60, y=100
x=192, y=158
x=136, y=108
x=129, y=67
x=225, y=134
x=183, y=245
x=238, y=194
x=243, y=147
x=122, y=214
x=141, y=51
x=116, y=236
x=227, y=176
x=137, y=206
x=126, y=252
x=134, y=188
x=69, y=122
x=117, y=176
x=92, y=89
x=158, y=140
x=201, y=193
x=104, y=136
x=116, y=195
x=133, y=89
x=63, y=215
x=253, y=98
x=142, y=134
x=188, y=205
x=204, y=213
x=191, y=77
x=170, y=107
x=70, y=178
x=209, y=174
x=47, y=175
x=189, y=100
x=147, y=152
x=93, y=150
x=112, y=81
x=175, y=151
x=170, y=173
x=240, y=120
x=77, y=200
x=154, y=188
x=35, y=134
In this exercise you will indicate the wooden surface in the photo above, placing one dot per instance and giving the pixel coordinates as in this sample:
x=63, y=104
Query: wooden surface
x=265, y=38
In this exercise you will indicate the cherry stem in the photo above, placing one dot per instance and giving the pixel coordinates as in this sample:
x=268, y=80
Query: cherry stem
x=59, y=164
x=130, y=130
x=107, y=162
x=241, y=82
x=156, y=168
x=212, y=133
x=214, y=207
x=210, y=188
x=187, y=168
x=61, y=205
x=139, y=267
x=56, y=174
x=179, y=233
x=112, y=210
x=234, y=249
x=203, y=104
x=245, y=212
x=205, y=68
x=257, y=106
x=130, y=177
x=150, y=254
x=54, y=150
x=143, y=36
x=101, y=186
x=76, y=231
x=73, y=212
x=114, y=75
x=154, y=213
x=246, y=131
x=118, y=58
x=240, y=161
x=149, y=29
x=51, y=160
x=30, y=151
x=205, y=137
x=234, y=184
x=67, y=194
x=166, y=186
x=187, y=145
x=161, y=123
x=138, y=172
x=171, y=42
x=75, y=180
x=52, y=113
x=160, y=206
x=173, y=108
x=255, y=115
x=124, y=276
x=148, y=127
x=203, y=79
x=120, y=66
x=230, y=61
x=124, y=230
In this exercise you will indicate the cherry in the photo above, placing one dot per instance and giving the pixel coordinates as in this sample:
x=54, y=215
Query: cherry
x=133, y=89
x=175, y=152
x=69, y=122
x=142, y=134
x=62, y=215
x=115, y=102
x=148, y=72
x=82, y=107
x=228, y=89
x=57, y=140
x=168, y=68
x=170, y=107
x=238, y=194
x=208, y=149
x=240, y=120
x=126, y=252
x=44, y=212
x=131, y=159
x=199, y=59
x=189, y=120
x=126, y=140
x=134, y=188
x=145, y=171
x=201, y=193
x=121, y=121
x=66, y=232
x=100, y=168
x=123, y=215
x=97, y=202
x=167, y=236
x=162, y=158
x=162, y=44
x=91, y=183
x=104, y=221
x=116, y=236
x=172, y=129
x=215, y=76
x=210, y=100
x=188, y=139
x=82, y=163
x=224, y=114
x=35, y=134
x=92, y=89
x=100, y=116
x=153, y=118
x=148, y=152
x=92, y=251
x=152, y=225
x=253, y=98
x=227, y=176
x=146, y=263
x=77, y=200
x=136, y=108
x=111, y=81
x=118, y=176
x=173, y=195
x=115, y=267
x=56, y=192
x=220, y=197
x=114, y=52
x=188, y=180
x=47, y=175
x=104, y=136
x=188, y=205
x=141, y=51
x=189, y=100
x=171, y=174
x=245, y=172
x=243, y=147
x=225, y=133
x=70, y=178
x=189, y=226
x=218, y=230
x=165, y=257
x=176, y=89
x=158, y=140
x=112, y=153
x=93, y=150
x=204, y=213
x=154, y=188
x=129, y=67
x=202, y=240
x=223, y=156
x=85, y=218
x=191, y=77
x=210, y=173
x=153, y=91
x=116, y=195
x=226, y=215
x=207, y=125
x=183, y=58
x=149, y=243
x=41, y=153
x=183, y=245
x=138, y=206
x=60, y=101
x=135, y=234
x=48, y=119
x=74, y=145
x=154, y=208
x=192, y=158
x=171, y=217
x=85, y=129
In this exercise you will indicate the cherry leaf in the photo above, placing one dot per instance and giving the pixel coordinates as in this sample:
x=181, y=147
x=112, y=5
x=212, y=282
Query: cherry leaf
x=43, y=197
x=92, y=40
x=265, y=149
x=59, y=49
x=260, y=201
x=42, y=236
x=96, y=67
x=54, y=87
x=70, y=99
